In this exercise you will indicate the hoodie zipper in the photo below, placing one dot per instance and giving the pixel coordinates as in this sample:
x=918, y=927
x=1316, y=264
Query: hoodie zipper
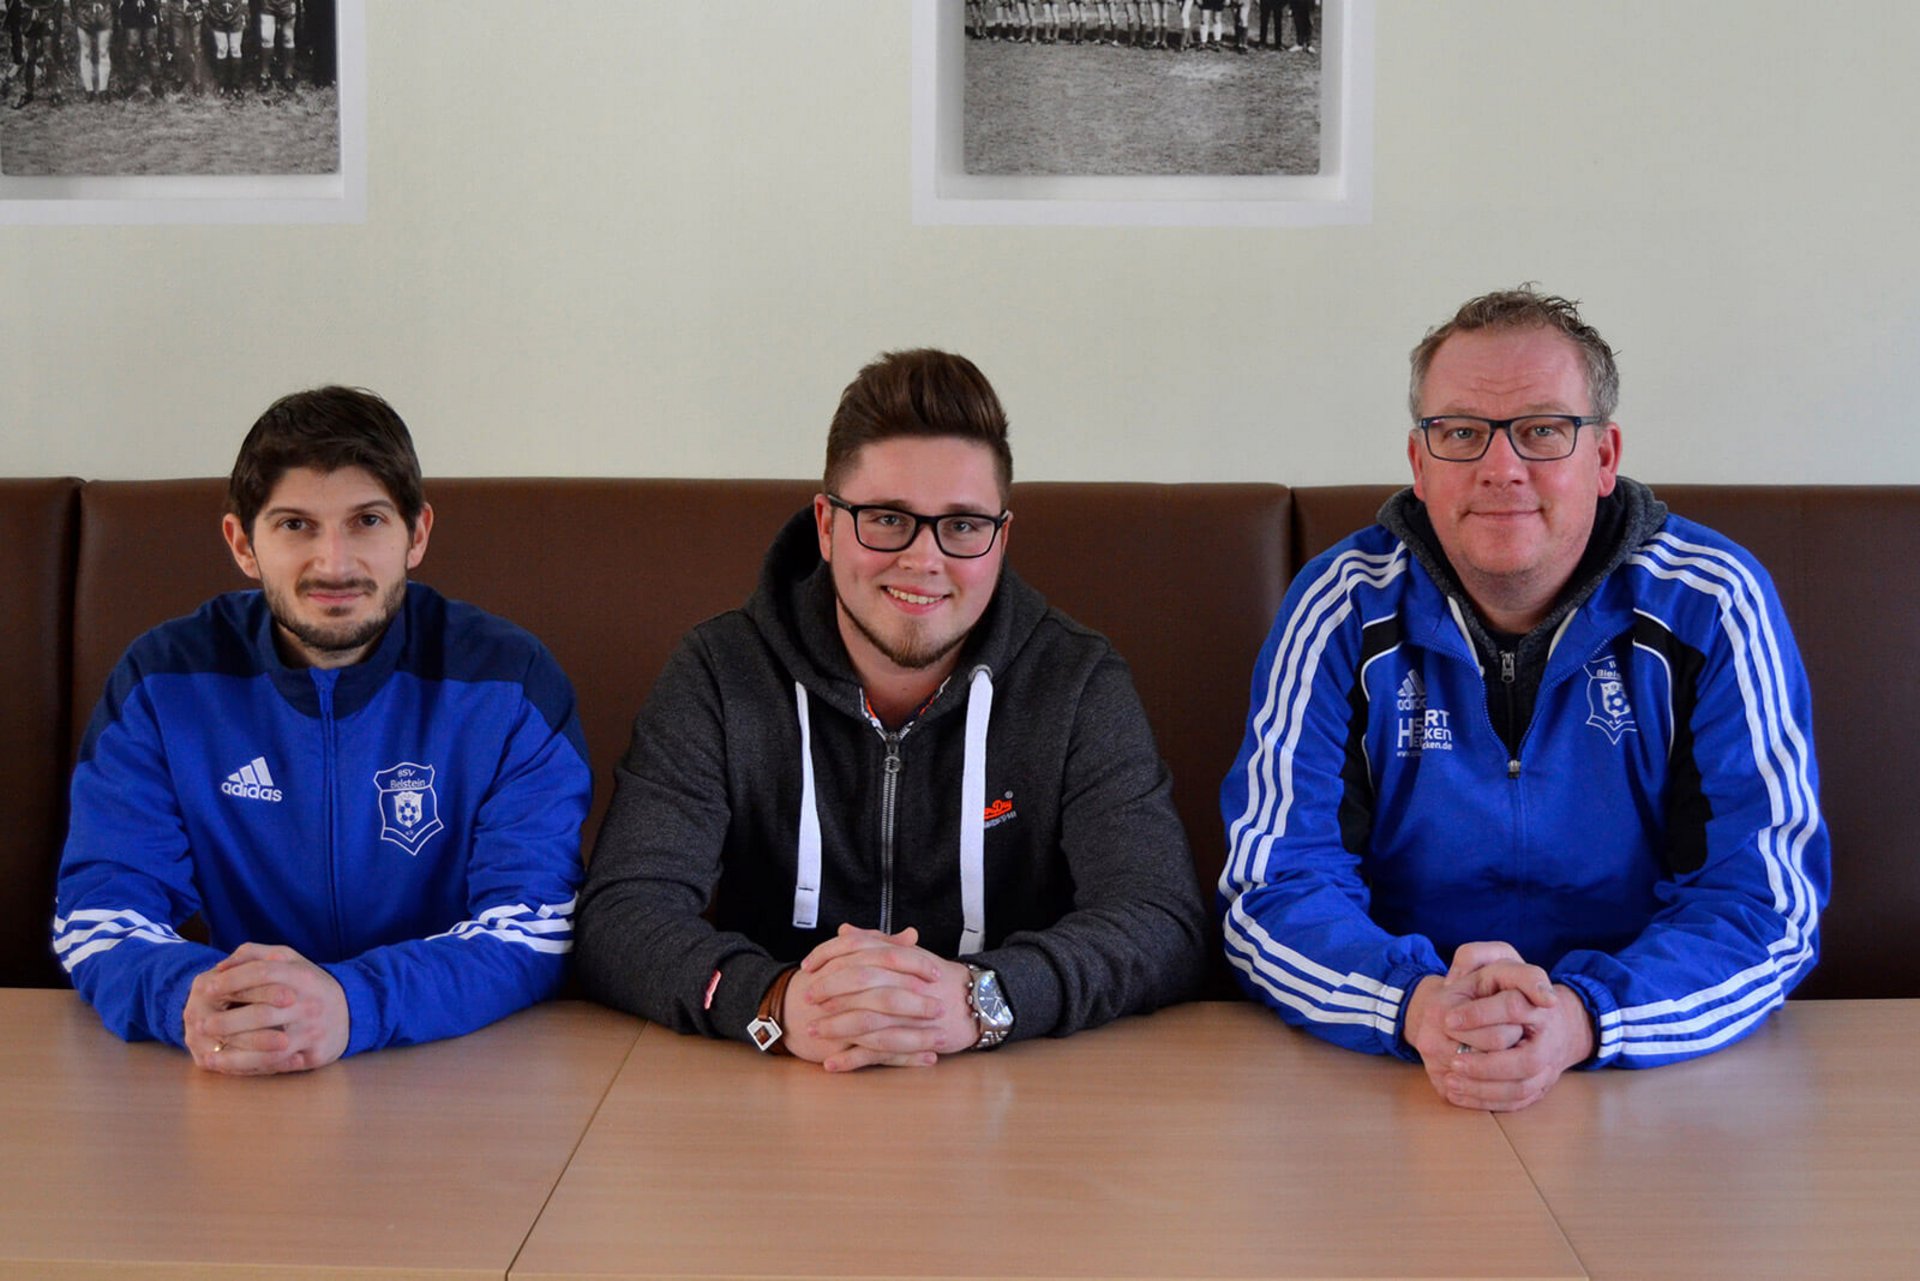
x=1507, y=673
x=889, y=794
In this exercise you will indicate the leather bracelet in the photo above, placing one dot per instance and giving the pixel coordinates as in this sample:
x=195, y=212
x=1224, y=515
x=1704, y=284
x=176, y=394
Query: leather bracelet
x=765, y=1030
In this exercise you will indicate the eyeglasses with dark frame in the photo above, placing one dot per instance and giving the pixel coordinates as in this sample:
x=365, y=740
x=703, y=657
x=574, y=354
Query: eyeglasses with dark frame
x=1538, y=438
x=961, y=535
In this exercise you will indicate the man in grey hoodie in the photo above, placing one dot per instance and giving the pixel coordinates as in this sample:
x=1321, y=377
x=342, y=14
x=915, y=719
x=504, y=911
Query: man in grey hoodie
x=930, y=805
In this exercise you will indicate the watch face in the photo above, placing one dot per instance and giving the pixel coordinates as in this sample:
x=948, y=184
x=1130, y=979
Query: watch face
x=764, y=1032
x=987, y=999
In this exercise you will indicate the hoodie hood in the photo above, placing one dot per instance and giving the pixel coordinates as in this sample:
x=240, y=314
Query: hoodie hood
x=794, y=610
x=1621, y=522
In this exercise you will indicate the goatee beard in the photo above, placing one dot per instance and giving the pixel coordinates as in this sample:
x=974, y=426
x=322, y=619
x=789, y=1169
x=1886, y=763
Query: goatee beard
x=912, y=658
x=318, y=638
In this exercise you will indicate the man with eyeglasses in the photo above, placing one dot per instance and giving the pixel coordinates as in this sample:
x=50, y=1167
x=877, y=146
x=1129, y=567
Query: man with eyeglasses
x=930, y=805
x=1528, y=780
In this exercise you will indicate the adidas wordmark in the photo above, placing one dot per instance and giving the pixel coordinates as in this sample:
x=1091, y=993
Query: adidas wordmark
x=254, y=781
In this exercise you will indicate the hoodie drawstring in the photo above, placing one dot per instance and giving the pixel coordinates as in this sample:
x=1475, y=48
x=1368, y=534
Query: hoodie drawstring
x=973, y=822
x=806, y=883
x=973, y=808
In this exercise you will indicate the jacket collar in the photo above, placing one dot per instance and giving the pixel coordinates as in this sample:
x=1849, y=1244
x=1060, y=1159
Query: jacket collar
x=352, y=687
x=1623, y=520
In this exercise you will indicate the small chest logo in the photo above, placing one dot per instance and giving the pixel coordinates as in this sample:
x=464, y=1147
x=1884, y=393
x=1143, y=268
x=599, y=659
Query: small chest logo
x=1421, y=728
x=1607, y=707
x=252, y=781
x=409, y=810
x=998, y=812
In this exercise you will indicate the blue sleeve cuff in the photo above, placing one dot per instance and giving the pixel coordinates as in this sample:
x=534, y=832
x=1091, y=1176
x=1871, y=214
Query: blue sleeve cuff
x=363, y=1010
x=1406, y=978
x=1604, y=1013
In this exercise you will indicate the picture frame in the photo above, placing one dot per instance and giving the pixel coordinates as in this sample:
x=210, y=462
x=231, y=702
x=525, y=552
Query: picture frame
x=1340, y=193
x=338, y=197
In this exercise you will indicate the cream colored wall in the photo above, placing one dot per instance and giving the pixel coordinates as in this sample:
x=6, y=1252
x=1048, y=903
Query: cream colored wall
x=660, y=243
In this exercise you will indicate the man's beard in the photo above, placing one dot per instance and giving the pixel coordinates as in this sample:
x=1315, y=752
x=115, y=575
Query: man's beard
x=915, y=656
x=336, y=638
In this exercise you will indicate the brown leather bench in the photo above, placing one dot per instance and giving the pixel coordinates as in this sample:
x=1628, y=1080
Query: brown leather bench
x=1184, y=578
x=38, y=520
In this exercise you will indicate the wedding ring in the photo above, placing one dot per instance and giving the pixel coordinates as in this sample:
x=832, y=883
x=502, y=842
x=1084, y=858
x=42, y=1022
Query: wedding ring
x=1460, y=1047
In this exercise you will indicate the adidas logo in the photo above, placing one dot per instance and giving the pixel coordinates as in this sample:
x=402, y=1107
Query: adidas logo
x=254, y=781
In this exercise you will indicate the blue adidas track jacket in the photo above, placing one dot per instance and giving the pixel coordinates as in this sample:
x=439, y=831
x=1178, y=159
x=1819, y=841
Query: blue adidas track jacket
x=1656, y=845
x=411, y=823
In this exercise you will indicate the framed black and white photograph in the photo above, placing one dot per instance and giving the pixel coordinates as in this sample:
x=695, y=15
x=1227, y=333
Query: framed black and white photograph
x=1146, y=112
x=132, y=111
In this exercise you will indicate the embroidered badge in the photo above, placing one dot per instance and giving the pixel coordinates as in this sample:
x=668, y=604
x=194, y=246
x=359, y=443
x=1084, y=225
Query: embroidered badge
x=1422, y=728
x=998, y=812
x=1607, y=707
x=409, y=811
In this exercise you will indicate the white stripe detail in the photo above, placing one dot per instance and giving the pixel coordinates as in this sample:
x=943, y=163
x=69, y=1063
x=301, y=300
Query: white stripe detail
x=259, y=766
x=1255, y=953
x=1324, y=605
x=521, y=925
x=1673, y=730
x=105, y=929
x=1781, y=758
x=973, y=809
x=806, y=876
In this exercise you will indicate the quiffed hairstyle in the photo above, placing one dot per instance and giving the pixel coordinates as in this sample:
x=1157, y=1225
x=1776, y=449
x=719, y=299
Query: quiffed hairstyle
x=917, y=393
x=1526, y=308
x=326, y=429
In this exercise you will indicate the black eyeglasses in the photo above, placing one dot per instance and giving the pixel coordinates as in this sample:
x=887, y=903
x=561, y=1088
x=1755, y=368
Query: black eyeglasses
x=1538, y=438
x=962, y=535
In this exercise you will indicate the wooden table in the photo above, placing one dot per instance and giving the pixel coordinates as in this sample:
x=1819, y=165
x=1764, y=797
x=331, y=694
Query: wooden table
x=1793, y=1154
x=433, y=1161
x=1205, y=1141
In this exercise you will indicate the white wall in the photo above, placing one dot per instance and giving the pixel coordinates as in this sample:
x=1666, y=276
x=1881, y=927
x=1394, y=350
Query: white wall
x=659, y=244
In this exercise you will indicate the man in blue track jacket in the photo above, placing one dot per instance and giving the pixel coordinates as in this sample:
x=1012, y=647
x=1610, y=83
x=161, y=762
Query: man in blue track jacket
x=372, y=795
x=1528, y=781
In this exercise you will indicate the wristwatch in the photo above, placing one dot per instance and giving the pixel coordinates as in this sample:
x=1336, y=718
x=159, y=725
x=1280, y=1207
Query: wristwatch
x=991, y=1013
x=765, y=1031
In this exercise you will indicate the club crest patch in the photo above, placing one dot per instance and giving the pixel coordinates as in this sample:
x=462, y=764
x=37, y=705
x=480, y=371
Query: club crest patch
x=409, y=810
x=1607, y=707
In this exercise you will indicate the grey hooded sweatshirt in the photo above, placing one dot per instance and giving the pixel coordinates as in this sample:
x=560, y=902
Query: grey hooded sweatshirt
x=1022, y=821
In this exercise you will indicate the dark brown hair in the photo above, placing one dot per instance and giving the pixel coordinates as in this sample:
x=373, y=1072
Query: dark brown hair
x=917, y=393
x=326, y=429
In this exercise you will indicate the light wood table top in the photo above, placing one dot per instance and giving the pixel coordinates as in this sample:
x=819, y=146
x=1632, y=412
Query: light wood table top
x=1204, y=1141
x=1795, y=1153
x=431, y=1161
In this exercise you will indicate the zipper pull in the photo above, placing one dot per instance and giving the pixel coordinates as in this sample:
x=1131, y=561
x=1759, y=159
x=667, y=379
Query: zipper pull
x=1506, y=666
x=893, y=753
x=1513, y=768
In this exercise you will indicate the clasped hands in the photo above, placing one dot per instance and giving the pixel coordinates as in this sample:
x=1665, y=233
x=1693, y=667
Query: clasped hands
x=1496, y=1033
x=863, y=998
x=264, y=1010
